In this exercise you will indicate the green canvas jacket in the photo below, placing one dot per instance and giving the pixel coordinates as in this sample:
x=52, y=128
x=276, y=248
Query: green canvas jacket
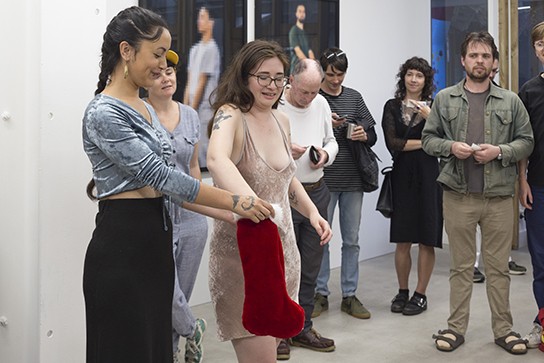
x=506, y=124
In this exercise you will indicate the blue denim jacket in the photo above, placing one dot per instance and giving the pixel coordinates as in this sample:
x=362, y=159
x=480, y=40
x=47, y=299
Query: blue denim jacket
x=127, y=152
x=506, y=124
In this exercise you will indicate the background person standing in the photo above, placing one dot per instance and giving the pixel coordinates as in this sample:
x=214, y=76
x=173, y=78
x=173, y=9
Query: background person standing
x=298, y=41
x=417, y=202
x=531, y=182
x=202, y=77
x=480, y=132
x=343, y=179
x=310, y=120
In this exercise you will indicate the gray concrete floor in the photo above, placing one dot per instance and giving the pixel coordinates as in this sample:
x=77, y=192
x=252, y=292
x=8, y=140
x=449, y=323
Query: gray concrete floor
x=388, y=337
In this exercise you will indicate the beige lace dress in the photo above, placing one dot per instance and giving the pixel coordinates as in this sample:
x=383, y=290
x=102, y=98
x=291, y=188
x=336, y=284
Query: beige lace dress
x=226, y=277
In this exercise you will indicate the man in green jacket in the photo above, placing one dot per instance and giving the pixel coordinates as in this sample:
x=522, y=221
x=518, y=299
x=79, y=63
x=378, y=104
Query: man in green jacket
x=479, y=131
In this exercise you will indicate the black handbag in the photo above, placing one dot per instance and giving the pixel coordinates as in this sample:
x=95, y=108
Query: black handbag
x=366, y=160
x=385, y=199
x=384, y=204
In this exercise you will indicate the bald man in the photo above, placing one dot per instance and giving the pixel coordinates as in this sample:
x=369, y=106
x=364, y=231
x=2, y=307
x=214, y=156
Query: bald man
x=313, y=147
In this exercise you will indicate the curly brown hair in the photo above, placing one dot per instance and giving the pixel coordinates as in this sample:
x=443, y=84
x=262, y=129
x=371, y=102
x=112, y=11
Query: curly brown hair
x=421, y=65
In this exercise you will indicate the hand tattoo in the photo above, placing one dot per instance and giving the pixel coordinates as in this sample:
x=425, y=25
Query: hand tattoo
x=245, y=205
x=219, y=117
x=248, y=205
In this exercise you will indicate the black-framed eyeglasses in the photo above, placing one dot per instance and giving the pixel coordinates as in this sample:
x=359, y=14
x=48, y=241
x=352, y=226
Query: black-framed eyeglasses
x=265, y=81
x=335, y=54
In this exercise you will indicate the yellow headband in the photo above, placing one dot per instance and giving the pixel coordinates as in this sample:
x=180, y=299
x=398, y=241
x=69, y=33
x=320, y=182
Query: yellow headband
x=172, y=57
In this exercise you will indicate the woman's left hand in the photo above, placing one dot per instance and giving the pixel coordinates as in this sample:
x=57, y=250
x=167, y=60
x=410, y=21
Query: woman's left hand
x=322, y=227
x=359, y=134
x=422, y=108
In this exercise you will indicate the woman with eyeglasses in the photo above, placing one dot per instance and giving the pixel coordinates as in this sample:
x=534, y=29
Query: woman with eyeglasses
x=417, y=197
x=249, y=151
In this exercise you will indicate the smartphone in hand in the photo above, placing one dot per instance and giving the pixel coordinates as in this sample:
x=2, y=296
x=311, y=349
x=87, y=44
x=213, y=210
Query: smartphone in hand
x=314, y=155
x=340, y=117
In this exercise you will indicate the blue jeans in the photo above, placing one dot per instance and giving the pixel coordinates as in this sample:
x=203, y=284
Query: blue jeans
x=350, y=206
x=535, y=242
x=189, y=241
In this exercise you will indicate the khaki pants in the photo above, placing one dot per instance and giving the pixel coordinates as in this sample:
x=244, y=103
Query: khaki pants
x=494, y=215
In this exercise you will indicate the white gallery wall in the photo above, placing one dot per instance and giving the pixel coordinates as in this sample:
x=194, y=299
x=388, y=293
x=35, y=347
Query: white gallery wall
x=49, y=62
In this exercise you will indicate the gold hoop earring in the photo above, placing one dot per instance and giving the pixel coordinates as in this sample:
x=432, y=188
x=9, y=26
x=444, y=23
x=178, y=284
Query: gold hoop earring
x=126, y=72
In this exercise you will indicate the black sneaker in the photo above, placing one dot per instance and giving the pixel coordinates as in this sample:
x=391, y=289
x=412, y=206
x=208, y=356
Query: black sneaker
x=415, y=306
x=515, y=269
x=478, y=276
x=398, y=303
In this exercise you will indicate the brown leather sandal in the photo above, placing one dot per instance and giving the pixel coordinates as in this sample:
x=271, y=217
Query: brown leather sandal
x=454, y=344
x=509, y=347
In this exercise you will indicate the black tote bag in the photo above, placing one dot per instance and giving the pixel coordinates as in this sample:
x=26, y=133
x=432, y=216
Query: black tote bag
x=385, y=199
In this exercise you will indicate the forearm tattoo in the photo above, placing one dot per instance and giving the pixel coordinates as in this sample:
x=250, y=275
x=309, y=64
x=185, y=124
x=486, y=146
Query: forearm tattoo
x=219, y=117
x=293, y=198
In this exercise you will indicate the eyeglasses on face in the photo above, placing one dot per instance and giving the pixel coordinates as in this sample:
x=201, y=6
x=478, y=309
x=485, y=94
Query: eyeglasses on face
x=335, y=54
x=265, y=81
x=539, y=44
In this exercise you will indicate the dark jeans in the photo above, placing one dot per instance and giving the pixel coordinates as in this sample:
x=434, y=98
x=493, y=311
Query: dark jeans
x=535, y=242
x=311, y=252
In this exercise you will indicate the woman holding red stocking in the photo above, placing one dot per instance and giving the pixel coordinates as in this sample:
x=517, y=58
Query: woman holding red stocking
x=249, y=151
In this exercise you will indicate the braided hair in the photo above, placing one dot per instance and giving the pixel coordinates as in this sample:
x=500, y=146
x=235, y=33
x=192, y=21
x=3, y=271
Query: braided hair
x=132, y=25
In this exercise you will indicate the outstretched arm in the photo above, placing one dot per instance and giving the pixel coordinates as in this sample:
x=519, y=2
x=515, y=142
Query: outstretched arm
x=221, y=214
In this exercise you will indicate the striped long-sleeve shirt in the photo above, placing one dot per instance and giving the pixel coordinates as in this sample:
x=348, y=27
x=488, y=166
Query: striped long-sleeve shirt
x=343, y=175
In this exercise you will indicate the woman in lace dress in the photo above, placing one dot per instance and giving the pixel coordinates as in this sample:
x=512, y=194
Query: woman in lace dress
x=249, y=152
x=417, y=197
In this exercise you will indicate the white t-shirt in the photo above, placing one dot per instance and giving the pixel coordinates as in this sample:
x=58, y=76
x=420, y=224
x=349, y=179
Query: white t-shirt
x=311, y=126
x=203, y=58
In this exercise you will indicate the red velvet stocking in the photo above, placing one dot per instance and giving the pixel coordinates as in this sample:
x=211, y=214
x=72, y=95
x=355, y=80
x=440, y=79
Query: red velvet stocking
x=268, y=309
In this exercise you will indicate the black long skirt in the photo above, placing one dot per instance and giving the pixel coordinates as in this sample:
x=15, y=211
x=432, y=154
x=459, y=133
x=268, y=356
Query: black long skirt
x=128, y=282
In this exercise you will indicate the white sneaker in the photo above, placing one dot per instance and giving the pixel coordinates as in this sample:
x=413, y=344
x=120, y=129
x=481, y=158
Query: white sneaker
x=534, y=336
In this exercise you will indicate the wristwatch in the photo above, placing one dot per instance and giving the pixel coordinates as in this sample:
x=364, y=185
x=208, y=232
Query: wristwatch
x=499, y=157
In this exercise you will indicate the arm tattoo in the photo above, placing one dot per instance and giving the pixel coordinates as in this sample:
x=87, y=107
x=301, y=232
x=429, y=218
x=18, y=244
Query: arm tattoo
x=293, y=198
x=249, y=204
x=219, y=117
x=235, y=200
